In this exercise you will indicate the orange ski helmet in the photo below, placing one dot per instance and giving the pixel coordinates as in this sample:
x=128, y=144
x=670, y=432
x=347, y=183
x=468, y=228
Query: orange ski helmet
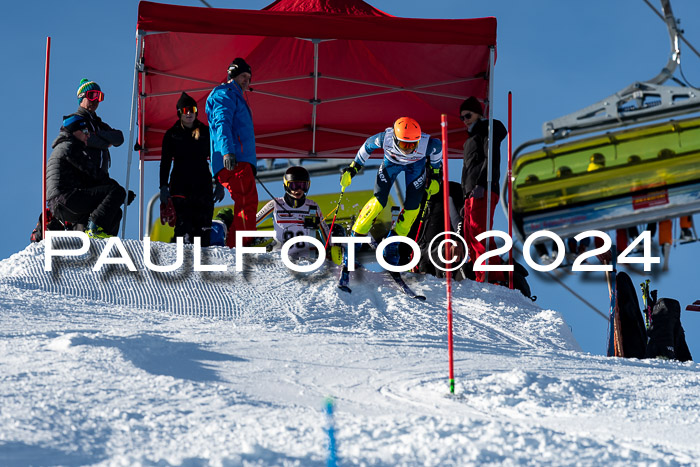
x=406, y=134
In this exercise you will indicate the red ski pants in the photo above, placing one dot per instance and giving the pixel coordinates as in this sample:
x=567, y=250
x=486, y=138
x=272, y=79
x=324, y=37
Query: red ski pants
x=240, y=183
x=474, y=224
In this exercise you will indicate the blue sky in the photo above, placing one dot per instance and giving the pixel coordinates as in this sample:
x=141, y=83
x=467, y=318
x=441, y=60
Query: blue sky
x=556, y=57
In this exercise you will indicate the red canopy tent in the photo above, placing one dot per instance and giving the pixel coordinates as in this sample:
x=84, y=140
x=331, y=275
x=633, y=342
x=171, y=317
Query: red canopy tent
x=326, y=73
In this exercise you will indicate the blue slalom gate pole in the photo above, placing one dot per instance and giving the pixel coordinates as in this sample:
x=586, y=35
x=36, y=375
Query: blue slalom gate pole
x=330, y=428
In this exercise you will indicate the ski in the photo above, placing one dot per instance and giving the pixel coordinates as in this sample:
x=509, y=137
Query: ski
x=397, y=276
x=694, y=307
x=614, y=330
x=404, y=287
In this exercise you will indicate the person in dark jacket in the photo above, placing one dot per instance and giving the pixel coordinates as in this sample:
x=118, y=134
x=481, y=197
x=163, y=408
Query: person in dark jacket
x=474, y=179
x=189, y=185
x=101, y=136
x=233, y=157
x=78, y=190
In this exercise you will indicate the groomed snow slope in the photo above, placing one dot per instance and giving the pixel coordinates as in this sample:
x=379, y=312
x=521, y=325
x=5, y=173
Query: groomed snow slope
x=231, y=368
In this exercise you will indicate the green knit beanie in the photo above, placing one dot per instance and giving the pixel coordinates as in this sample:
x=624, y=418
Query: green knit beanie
x=85, y=86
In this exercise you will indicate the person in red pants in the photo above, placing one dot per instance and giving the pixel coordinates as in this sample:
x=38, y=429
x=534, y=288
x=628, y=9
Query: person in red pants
x=233, y=158
x=475, y=183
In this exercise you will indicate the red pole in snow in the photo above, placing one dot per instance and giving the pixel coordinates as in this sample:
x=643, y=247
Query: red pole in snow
x=509, y=175
x=448, y=227
x=44, y=149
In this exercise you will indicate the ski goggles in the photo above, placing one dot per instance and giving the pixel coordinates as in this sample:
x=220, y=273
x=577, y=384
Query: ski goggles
x=298, y=185
x=95, y=95
x=406, y=146
x=188, y=110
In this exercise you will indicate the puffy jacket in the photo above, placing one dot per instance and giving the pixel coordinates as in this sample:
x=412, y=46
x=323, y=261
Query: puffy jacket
x=102, y=136
x=230, y=126
x=475, y=168
x=189, y=159
x=70, y=167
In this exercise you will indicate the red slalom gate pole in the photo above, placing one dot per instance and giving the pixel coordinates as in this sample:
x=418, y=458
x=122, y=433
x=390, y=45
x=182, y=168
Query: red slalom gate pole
x=509, y=175
x=448, y=256
x=44, y=140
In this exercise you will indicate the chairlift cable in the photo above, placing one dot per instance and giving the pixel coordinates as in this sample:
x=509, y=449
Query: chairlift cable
x=572, y=291
x=205, y=3
x=680, y=34
x=680, y=68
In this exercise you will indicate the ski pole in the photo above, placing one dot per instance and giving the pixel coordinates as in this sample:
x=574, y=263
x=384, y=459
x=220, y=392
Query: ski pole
x=337, y=208
x=271, y=195
x=424, y=209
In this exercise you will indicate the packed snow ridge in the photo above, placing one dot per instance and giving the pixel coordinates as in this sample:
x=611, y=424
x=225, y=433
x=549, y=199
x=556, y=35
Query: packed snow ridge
x=232, y=368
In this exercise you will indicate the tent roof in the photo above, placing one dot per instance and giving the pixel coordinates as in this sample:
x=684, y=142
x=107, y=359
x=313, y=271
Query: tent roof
x=371, y=69
x=343, y=7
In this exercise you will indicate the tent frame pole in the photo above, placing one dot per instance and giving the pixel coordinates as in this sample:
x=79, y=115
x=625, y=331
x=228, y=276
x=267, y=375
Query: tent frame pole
x=314, y=101
x=489, y=175
x=509, y=184
x=44, y=148
x=132, y=123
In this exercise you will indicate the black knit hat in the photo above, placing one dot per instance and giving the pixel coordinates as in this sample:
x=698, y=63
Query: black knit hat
x=238, y=66
x=74, y=123
x=471, y=104
x=185, y=101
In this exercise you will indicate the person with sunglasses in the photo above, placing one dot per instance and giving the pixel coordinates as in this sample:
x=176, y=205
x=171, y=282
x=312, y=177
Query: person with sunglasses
x=294, y=214
x=406, y=149
x=233, y=158
x=186, y=193
x=474, y=179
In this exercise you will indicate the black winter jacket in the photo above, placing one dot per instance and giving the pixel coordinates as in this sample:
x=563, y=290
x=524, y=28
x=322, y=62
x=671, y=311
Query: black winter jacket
x=189, y=158
x=475, y=168
x=102, y=136
x=70, y=167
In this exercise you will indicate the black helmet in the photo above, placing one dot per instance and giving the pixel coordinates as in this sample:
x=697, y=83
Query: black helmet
x=296, y=177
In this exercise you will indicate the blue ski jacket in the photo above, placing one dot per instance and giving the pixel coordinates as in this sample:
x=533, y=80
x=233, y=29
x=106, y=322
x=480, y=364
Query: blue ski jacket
x=230, y=126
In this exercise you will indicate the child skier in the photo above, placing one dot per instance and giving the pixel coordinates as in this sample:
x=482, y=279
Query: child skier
x=295, y=214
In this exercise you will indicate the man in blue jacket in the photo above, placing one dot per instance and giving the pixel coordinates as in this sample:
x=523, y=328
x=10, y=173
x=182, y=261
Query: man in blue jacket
x=233, y=160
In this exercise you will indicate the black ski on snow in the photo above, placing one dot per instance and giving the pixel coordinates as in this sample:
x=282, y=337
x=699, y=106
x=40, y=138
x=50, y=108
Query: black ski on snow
x=404, y=287
x=397, y=276
x=344, y=282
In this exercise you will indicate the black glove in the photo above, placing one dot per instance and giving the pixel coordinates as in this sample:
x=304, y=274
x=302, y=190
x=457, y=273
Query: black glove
x=434, y=181
x=478, y=192
x=164, y=194
x=229, y=162
x=219, y=191
x=130, y=197
x=348, y=173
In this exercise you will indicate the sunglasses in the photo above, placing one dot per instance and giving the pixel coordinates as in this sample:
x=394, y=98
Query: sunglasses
x=95, y=95
x=466, y=116
x=188, y=110
x=303, y=185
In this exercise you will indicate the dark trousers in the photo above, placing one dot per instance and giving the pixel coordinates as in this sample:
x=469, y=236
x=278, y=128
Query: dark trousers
x=101, y=204
x=194, y=213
